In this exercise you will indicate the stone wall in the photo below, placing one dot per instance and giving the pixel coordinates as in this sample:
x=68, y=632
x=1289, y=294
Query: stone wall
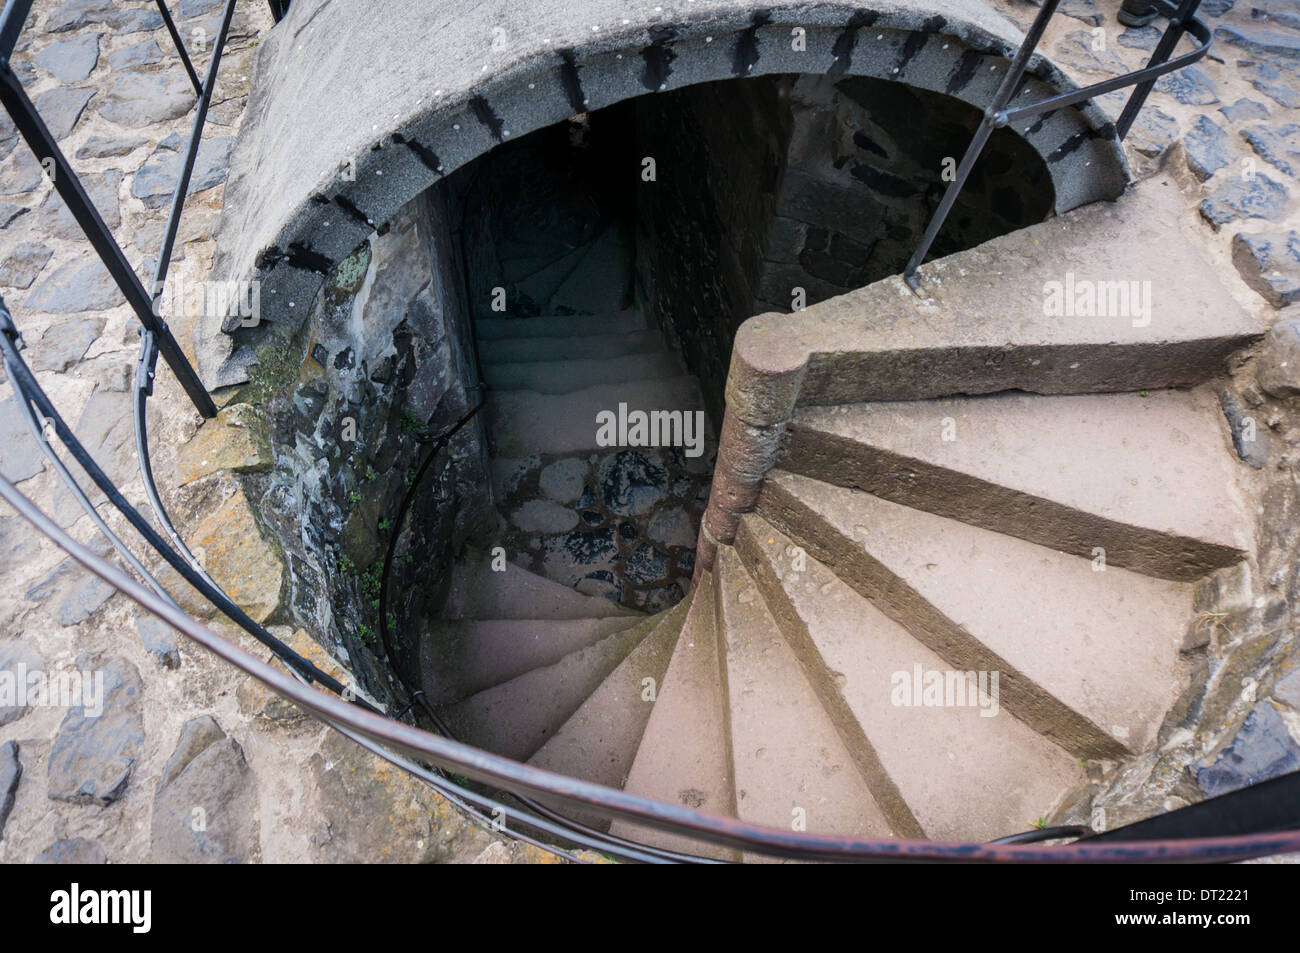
x=864, y=175
x=379, y=365
x=801, y=188
x=703, y=224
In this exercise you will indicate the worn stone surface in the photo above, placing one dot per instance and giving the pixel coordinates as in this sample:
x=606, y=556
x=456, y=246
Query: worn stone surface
x=71, y=60
x=159, y=640
x=76, y=593
x=57, y=221
x=73, y=850
x=18, y=542
x=61, y=108
x=64, y=343
x=145, y=53
x=107, y=147
x=1279, y=362
x=1278, y=145
x=1244, y=109
x=20, y=173
x=155, y=182
x=105, y=430
x=203, y=811
x=21, y=266
x=92, y=757
x=1206, y=147
x=17, y=659
x=1190, y=86
x=79, y=285
x=258, y=701
x=1257, y=197
x=230, y=545
x=235, y=441
x=1262, y=749
x=1270, y=263
x=378, y=814
x=11, y=772
x=1251, y=440
x=20, y=455
x=78, y=13
x=141, y=99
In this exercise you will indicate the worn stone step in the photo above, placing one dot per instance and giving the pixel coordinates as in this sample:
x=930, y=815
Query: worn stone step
x=986, y=321
x=1153, y=481
x=567, y=376
x=599, y=346
x=790, y=765
x=560, y=326
x=967, y=769
x=517, y=717
x=526, y=422
x=601, y=281
x=684, y=756
x=1088, y=658
x=599, y=741
x=459, y=657
x=479, y=592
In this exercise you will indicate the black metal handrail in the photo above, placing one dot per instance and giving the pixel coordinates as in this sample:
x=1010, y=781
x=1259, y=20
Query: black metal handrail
x=41, y=141
x=1268, y=827
x=1182, y=19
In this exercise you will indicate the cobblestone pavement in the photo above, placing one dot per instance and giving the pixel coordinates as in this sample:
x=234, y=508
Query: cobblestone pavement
x=180, y=730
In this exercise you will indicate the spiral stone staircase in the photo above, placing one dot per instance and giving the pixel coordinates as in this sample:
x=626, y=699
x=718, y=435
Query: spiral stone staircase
x=905, y=486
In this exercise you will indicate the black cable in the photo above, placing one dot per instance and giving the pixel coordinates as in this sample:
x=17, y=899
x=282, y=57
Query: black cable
x=417, y=696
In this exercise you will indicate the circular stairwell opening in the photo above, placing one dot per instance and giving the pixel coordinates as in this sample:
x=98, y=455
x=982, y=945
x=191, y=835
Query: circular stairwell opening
x=586, y=273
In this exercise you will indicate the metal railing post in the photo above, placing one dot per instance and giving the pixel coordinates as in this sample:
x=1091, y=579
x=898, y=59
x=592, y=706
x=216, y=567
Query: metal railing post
x=1007, y=89
x=42, y=143
x=1177, y=26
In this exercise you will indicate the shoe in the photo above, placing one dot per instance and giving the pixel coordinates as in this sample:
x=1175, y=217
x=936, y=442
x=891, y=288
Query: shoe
x=1136, y=13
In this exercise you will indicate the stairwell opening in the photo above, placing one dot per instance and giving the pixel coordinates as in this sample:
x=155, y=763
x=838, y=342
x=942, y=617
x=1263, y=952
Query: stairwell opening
x=610, y=259
x=601, y=265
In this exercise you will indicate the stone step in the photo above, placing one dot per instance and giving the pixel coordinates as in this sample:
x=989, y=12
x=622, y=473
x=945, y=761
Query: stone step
x=565, y=377
x=479, y=592
x=986, y=318
x=1151, y=480
x=517, y=717
x=789, y=763
x=601, y=281
x=594, y=347
x=600, y=740
x=560, y=326
x=459, y=657
x=967, y=772
x=1090, y=659
x=684, y=756
x=525, y=422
